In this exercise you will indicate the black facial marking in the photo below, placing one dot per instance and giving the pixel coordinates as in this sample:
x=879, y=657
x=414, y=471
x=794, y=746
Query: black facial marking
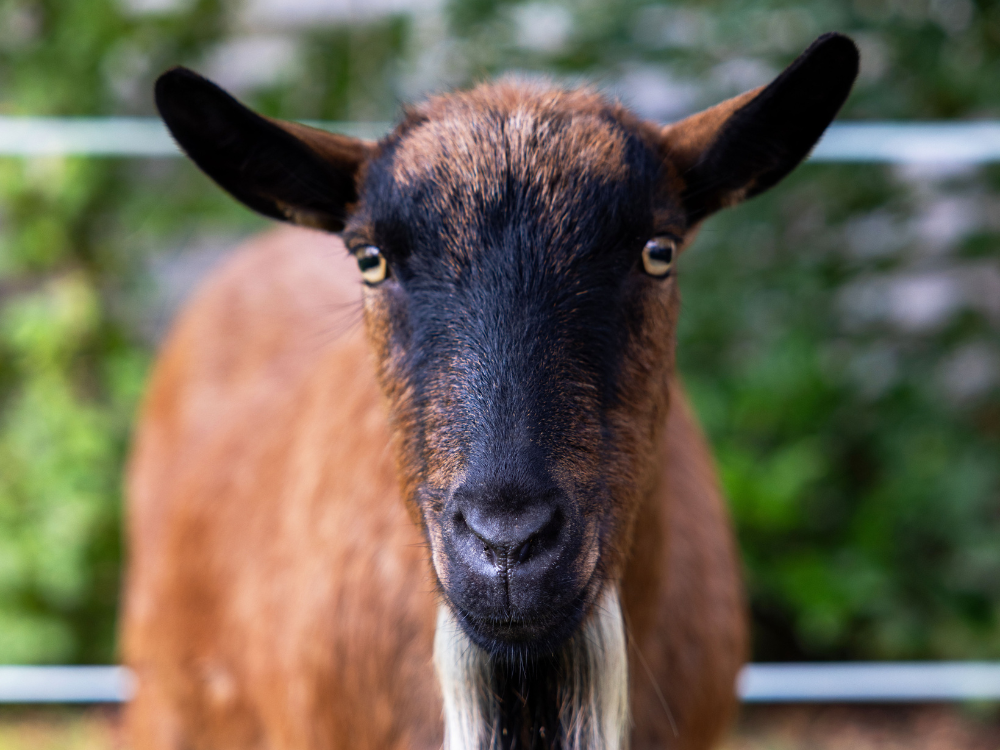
x=509, y=280
x=515, y=295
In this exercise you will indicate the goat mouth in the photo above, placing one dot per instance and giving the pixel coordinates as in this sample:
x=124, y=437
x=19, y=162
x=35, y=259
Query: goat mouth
x=517, y=639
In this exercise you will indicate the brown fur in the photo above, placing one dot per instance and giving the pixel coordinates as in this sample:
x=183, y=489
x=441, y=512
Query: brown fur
x=446, y=135
x=686, y=141
x=279, y=595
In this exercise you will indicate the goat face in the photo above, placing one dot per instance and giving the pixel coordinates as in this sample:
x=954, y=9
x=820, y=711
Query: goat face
x=517, y=245
x=523, y=346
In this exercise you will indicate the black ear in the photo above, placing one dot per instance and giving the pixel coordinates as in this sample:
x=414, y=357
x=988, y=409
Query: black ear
x=747, y=144
x=281, y=169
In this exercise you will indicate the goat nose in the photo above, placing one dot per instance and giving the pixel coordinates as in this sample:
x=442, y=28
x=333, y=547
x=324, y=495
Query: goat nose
x=510, y=539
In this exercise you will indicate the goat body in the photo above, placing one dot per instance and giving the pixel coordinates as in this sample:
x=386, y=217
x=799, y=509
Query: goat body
x=489, y=503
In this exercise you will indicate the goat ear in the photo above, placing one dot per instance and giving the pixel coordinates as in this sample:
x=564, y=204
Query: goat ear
x=281, y=169
x=743, y=146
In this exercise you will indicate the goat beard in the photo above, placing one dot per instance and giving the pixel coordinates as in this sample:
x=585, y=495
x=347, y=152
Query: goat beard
x=575, y=699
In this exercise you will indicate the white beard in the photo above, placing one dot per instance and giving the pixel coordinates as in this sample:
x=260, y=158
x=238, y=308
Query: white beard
x=592, y=695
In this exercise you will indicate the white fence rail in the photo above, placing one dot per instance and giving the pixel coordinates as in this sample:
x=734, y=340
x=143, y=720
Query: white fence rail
x=886, y=682
x=885, y=142
x=910, y=142
x=116, y=136
x=65, y=684
x=868, y=682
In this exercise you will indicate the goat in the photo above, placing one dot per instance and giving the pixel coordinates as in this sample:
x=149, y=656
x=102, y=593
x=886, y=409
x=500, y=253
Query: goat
x=491, y=502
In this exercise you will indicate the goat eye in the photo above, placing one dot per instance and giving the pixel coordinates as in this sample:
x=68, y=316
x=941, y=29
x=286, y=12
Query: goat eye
x=658, y=256
x=372, y=264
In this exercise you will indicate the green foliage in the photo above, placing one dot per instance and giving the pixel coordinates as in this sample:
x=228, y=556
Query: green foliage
x=860, y=463
x=866, y=500
x=62, y=422
x=71, y=370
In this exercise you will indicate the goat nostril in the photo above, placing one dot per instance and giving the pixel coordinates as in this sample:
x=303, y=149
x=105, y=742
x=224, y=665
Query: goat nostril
x=490, y=554
x=525, y=552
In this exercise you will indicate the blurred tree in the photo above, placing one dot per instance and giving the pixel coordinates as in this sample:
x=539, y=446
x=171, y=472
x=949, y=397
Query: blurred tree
x=70, y=371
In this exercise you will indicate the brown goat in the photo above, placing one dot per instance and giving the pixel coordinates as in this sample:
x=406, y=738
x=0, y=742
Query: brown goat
x=491, y=504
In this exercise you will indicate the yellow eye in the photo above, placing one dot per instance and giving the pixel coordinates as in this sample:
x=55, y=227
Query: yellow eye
x=658, y=256
x=372, y=264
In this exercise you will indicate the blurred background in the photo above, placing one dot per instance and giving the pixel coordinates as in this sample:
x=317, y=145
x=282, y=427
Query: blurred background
x=840, y=335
